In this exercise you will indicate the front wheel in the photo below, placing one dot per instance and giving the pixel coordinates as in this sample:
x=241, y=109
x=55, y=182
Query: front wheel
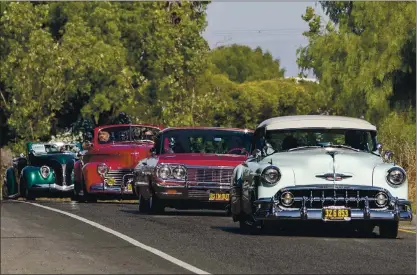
x=248, y=225
x=153, y=205
x=389, y=230
x=25, y=192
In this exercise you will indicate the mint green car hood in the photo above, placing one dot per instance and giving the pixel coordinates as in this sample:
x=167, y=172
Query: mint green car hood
x=59, y=157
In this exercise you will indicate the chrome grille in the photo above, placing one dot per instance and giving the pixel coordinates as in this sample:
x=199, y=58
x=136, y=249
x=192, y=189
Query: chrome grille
x=209, y=175
x=318, y=198
x=118, y=175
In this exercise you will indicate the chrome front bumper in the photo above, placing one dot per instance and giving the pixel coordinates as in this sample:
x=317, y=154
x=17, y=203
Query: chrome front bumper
x=101, y=188
x=268, y=210
x=52, y=187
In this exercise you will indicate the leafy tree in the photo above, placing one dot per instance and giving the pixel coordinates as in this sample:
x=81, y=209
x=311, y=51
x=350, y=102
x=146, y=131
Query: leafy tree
x=68, y=62
x=363, y=56
x=241, y=63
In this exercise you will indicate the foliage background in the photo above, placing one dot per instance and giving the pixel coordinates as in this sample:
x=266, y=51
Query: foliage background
x=74, y=65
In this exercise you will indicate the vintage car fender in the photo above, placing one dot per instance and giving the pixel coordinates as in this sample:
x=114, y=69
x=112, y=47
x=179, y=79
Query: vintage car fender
x=243, y=189
x=10, y=182
x=144, y=173
x=90, y=175
x=379, y=179
x=246, y=186
x=31, y=176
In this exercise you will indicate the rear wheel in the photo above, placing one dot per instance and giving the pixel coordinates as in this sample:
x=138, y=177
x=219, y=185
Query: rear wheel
x=389, y=230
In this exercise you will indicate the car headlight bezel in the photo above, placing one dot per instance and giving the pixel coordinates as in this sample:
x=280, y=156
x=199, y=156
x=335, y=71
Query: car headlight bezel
x=45, y=171
x=102, y=169
x=165, y=168
x=267, y=173
x=398, y=179
x=179, y=168
x=174, y=172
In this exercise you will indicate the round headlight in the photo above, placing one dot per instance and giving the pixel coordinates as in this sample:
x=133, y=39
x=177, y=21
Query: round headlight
x=287, y=198
x=381, y=199
x=179, y=172
x=271, y=175
x=396, y=176
x=164, y=172
x=102, y=169
x=45, y=171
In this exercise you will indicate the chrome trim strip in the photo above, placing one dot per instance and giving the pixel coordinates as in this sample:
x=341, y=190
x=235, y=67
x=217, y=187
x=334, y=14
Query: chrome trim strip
x=331, y=186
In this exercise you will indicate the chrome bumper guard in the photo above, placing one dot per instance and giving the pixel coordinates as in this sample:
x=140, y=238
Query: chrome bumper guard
x=268, y=209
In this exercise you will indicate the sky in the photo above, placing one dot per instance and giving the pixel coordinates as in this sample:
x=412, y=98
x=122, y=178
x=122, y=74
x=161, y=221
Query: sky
x=274, y=26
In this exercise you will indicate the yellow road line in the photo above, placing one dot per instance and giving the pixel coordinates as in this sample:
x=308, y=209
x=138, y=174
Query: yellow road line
x=407, y=231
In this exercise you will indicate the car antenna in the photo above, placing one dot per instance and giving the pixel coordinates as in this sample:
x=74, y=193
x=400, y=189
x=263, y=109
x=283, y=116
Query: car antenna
x=270, y=161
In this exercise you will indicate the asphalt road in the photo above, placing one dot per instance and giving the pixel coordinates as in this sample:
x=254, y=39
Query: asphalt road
x=36, y=240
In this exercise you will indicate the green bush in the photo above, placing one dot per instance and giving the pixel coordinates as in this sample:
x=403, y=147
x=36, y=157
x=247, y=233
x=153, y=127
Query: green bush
x=397, y=133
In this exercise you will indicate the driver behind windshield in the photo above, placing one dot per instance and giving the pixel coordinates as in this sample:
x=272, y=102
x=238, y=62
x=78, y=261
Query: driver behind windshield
x=148, y=135
x=103, y=136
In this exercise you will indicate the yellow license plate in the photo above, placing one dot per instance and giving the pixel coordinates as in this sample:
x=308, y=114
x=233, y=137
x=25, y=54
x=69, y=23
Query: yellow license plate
x=219, y=197
x=336, y=214
x=111, y=181
x=129, y=187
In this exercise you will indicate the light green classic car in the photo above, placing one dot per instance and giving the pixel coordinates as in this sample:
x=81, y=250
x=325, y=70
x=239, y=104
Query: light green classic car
x=44, y=171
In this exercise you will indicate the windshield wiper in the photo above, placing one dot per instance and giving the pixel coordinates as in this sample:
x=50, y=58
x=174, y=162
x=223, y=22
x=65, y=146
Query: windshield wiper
x=343, y=146
x=303, y=147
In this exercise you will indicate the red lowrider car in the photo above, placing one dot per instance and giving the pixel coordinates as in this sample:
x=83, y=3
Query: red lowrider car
x=190, y=168
x=106, y=169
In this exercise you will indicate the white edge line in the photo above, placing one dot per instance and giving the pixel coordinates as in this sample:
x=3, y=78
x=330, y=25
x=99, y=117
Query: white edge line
x=127, y=239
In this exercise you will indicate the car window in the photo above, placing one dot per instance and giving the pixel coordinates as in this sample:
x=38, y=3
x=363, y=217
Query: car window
x=283, y=140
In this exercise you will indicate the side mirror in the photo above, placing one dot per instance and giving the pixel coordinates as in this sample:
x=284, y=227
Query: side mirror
x=379, y=147
x=388, y=155
x=87, y=145
x=257, y=154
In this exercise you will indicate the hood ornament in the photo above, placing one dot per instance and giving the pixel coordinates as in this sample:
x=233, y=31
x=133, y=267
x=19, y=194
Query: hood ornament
x=332, y=152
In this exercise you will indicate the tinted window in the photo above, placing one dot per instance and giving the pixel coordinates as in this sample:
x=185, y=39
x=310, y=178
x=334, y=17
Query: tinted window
x=204, y=141
x=126, y=133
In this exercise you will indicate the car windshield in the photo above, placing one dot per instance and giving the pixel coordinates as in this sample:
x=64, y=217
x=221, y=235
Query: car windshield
x=288, y=140
x=206, y=141
x=126, y=133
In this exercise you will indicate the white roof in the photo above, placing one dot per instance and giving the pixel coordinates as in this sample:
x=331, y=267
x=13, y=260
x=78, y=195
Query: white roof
x=316, y=121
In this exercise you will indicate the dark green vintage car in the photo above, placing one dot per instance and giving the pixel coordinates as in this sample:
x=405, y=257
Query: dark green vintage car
x=45, y=171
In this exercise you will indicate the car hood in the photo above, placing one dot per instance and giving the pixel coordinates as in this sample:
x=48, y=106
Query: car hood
x=203, y=159
x=45, y=159
x=119, y=156
x=314, y=166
